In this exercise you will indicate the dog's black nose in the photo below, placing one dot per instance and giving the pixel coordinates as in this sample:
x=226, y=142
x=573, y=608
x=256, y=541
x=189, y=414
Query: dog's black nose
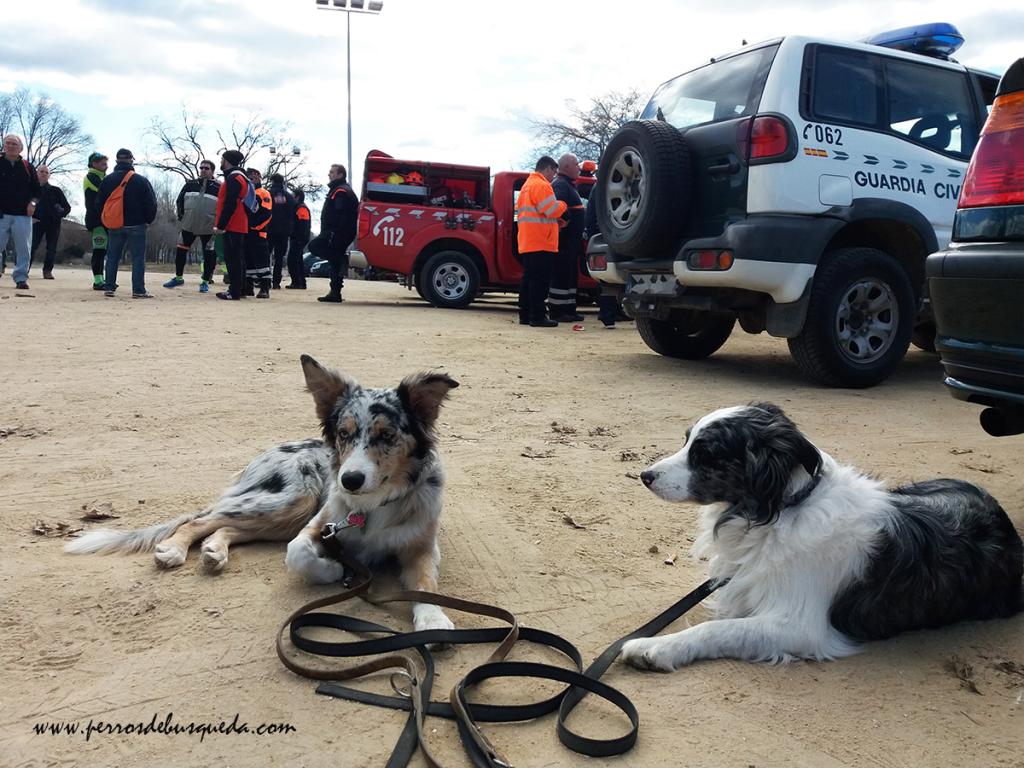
x=647, y=477
x=353, y=481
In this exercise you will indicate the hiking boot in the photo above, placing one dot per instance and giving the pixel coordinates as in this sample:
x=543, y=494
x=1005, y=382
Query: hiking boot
x=47, y=274
x=264, y=289
x=331, y=298
x=249, y=288
x=174, y=282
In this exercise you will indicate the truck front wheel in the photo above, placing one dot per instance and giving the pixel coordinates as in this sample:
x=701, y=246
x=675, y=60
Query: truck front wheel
x=449, y=280
x=859, y=319
x=687, y=334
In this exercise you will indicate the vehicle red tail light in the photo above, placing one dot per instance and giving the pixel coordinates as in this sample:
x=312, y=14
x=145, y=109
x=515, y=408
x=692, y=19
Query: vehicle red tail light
x=768, y=138
x=364, y=223
x=996, y=173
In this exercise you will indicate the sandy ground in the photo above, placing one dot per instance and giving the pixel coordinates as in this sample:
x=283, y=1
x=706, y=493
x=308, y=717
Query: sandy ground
x=150, y=406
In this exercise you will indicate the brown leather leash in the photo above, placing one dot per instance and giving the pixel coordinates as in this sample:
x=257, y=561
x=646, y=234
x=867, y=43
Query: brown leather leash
x=413, y=687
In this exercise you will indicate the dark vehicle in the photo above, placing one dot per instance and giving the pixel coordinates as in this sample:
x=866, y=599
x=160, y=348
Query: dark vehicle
x=977, y=284
x=316, y=267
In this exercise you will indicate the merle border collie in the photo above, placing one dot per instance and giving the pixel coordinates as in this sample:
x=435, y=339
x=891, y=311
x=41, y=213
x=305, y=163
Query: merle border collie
x=818, y=557
x=376, y=476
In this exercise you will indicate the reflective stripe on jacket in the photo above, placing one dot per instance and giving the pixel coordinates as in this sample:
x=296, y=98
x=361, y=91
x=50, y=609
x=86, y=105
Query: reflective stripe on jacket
x=537, y=212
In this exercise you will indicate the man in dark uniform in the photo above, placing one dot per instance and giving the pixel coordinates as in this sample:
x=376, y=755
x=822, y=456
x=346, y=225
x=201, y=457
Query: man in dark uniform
x=297, y=245
x=566, y=274
x=279, y=230
x=337, y=229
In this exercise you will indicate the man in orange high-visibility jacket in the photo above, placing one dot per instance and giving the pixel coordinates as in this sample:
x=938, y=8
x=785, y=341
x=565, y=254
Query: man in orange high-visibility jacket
x=538, y=214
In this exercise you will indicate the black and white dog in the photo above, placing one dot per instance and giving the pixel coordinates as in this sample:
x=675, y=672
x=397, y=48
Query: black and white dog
x=820, y=557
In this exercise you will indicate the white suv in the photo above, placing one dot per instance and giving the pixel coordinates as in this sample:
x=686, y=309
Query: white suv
x=797, y=186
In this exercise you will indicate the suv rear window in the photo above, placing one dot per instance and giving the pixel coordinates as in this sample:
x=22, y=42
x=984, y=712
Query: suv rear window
x=718, y=91
x=927, y=104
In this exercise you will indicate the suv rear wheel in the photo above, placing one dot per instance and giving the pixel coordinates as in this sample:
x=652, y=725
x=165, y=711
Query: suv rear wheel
x=644, y=191
x=859, y=319
x=449, y=280
x=687, y=334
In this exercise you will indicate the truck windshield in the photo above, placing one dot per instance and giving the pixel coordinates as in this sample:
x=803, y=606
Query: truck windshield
x=718, y=91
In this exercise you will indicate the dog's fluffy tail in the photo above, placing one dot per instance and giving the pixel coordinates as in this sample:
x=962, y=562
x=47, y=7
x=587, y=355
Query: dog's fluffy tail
x=106, y=540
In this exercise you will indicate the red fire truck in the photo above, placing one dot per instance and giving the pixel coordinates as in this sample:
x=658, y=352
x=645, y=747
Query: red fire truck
x=443, y=228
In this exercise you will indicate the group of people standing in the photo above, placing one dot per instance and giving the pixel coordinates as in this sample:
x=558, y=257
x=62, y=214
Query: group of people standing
x=552, y=226
x=257, y=230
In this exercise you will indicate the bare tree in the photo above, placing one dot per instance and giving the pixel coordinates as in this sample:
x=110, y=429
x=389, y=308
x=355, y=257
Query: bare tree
x=53, y=137
x=177, y=146
x=586, y=131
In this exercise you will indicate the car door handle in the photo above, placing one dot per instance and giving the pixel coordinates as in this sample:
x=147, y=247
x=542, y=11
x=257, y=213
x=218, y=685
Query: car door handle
x=731, y=167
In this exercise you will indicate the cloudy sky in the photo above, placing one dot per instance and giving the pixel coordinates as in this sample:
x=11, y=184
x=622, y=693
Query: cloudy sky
x=443, y=80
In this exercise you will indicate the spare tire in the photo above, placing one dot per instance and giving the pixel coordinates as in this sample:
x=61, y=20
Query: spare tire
x=643, y=188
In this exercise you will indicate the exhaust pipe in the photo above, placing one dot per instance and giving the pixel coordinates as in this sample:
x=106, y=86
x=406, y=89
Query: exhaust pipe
x=1000, y=422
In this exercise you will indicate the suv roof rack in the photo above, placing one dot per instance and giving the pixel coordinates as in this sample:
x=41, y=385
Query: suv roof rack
x=939, y=41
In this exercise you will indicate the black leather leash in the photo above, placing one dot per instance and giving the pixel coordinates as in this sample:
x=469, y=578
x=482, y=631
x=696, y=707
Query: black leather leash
x=414, y=689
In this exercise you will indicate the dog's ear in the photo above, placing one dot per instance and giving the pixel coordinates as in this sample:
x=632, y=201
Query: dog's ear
x=778, y=448
x=326, y=386
x=423, y=393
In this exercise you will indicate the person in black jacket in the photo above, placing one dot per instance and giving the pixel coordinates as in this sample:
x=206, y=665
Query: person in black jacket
x=337, y=229
x=53, y=207
x=297, y=246
x=139, y=211
x=279, y=230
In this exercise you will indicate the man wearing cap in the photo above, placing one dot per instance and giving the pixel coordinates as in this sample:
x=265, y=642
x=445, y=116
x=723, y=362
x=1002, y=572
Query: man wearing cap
x=139, y=211
x=19, y=193
x=232, y=221
x=90, y=185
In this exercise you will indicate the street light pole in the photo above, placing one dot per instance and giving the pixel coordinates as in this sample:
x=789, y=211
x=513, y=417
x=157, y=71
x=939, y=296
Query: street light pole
x=372, y=7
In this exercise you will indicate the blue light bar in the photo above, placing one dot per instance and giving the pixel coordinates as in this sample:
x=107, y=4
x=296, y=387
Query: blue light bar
x=936, y=40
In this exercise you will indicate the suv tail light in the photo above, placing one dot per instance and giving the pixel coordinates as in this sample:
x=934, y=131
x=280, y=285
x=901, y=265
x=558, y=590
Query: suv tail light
x=996, y=173
x=364, y=223
x=768, y=138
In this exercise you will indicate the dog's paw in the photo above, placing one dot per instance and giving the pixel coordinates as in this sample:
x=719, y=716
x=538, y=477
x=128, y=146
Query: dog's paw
x=648, y=653
x=304, y=559
x=214, y=558
x=169, y=555
x=426, y=616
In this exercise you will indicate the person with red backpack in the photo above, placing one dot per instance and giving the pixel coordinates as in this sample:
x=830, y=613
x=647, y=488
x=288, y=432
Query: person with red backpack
x=127, y=205
x=233, y=221
x=19, y=193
